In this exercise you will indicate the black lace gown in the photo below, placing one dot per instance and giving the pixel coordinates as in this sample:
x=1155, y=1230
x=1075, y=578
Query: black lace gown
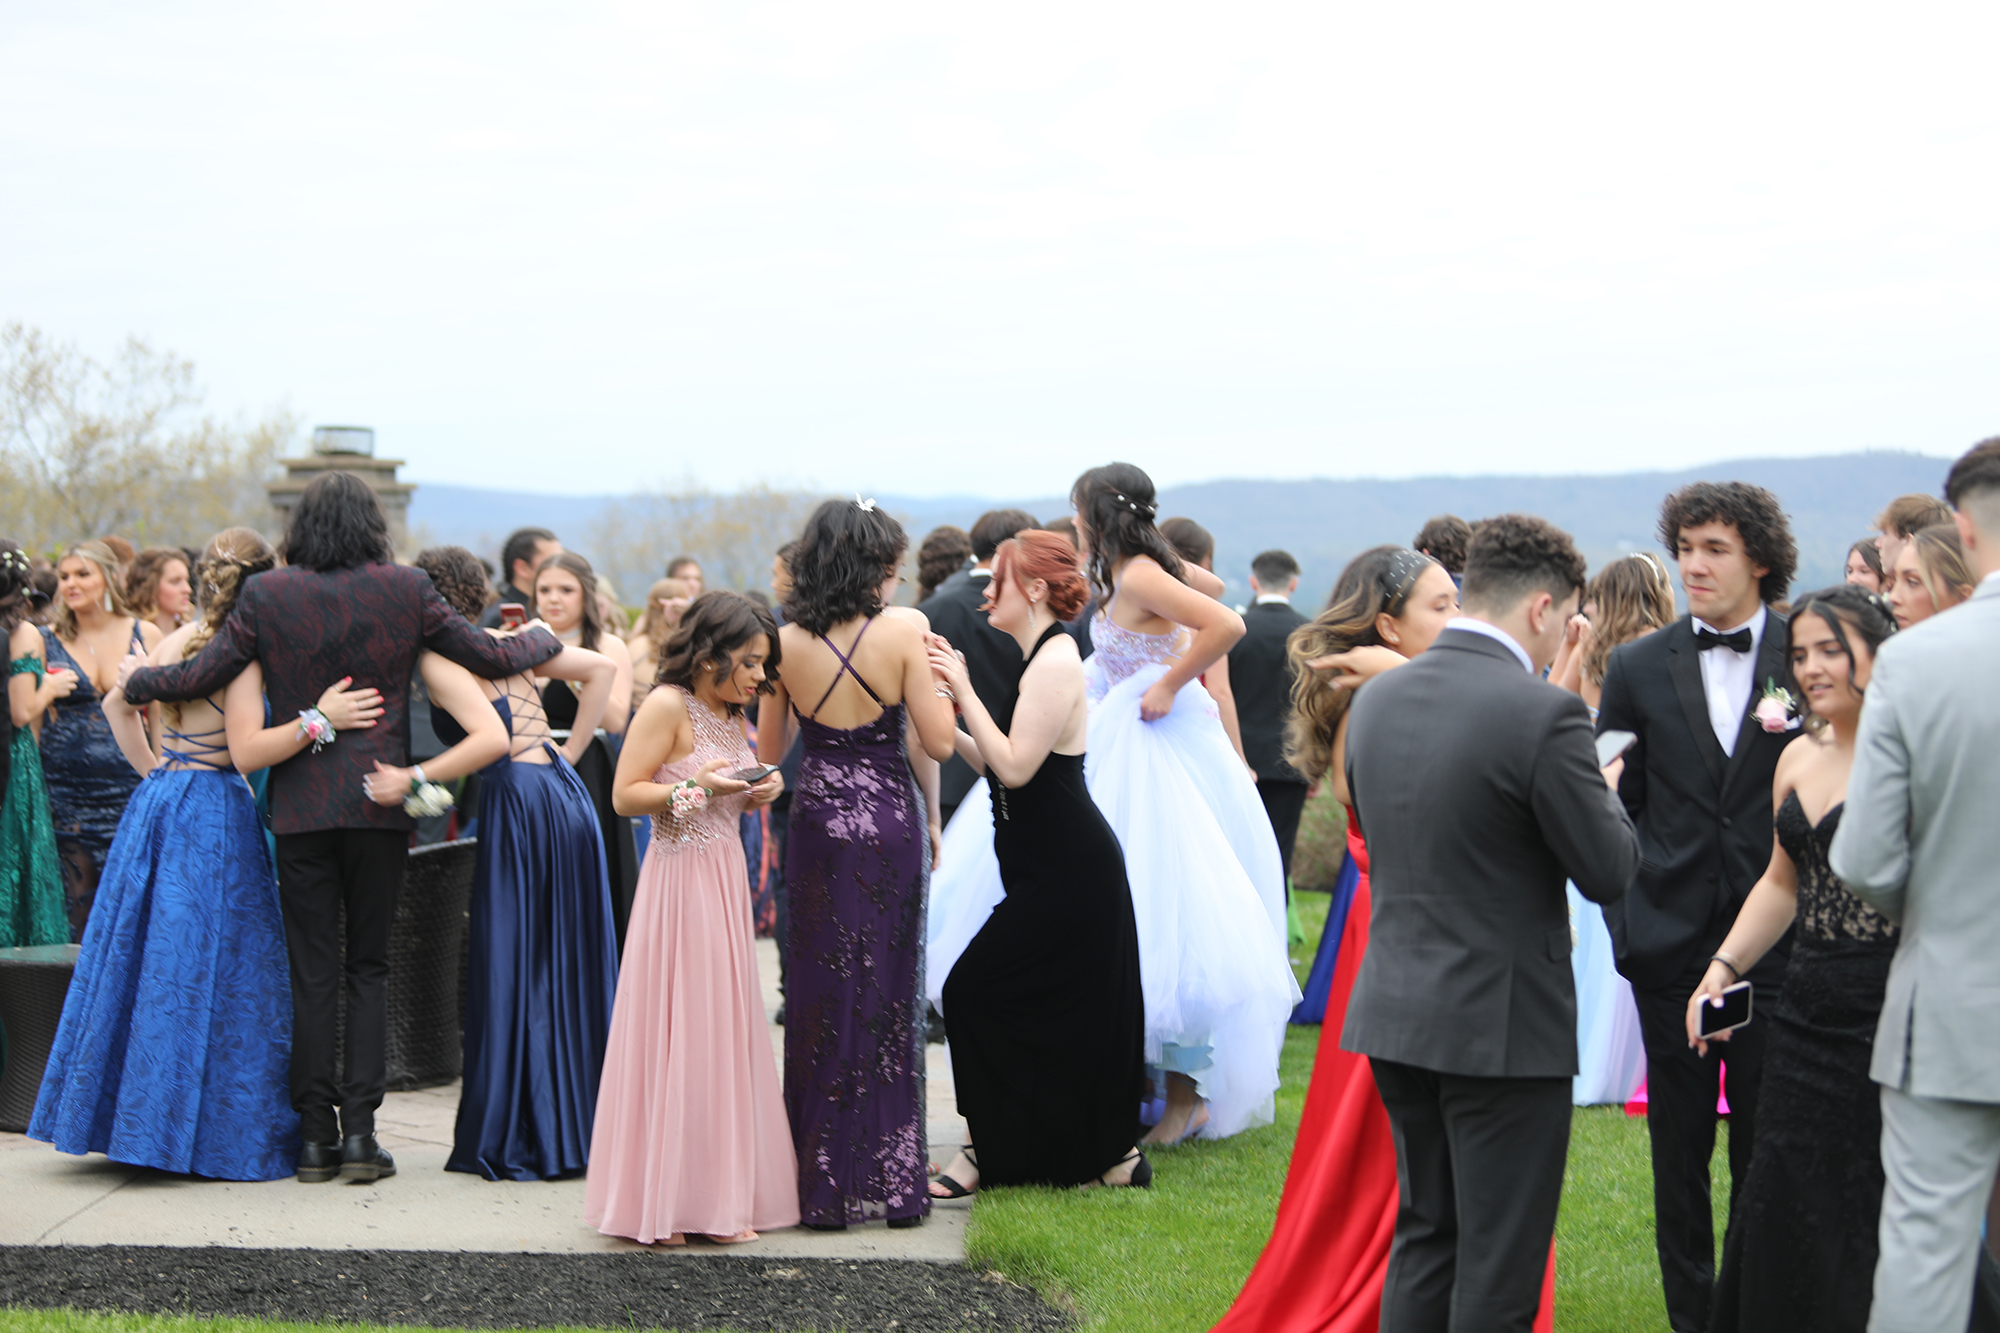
x=1801, y=1247
x=1043, y=1009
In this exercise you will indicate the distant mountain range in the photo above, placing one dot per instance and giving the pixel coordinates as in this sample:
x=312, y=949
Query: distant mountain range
x=1325, y=522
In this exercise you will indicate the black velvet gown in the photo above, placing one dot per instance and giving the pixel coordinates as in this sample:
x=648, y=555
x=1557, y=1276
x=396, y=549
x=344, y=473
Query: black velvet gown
x=1801, y=1248
x=1043, y=1009
x=596, y=768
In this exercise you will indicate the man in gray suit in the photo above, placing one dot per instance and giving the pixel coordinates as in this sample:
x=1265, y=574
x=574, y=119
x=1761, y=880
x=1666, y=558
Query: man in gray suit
x=1476, y=785
x=1920, y=841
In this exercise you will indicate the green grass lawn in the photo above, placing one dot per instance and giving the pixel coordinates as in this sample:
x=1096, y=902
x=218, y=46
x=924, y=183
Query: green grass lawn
x=1173, y=1257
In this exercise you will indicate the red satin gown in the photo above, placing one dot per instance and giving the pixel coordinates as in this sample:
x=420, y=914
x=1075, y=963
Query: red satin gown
x=1322, y=1269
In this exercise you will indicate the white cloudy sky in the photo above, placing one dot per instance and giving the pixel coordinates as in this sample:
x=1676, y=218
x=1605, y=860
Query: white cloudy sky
x=929, y=248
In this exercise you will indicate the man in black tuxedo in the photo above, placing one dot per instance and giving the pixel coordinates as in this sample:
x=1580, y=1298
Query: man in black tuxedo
x=1261, y=676
x=1698, y=786
x=1476, y=784
x=992, y=659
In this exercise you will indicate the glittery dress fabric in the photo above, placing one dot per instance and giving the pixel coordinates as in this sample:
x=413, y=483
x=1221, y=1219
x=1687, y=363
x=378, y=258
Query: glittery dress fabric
x=596, y=768
x=31, y=895
x=1047, y=994
x=1208, y=886
x=690, y=1133
x=854, y=1041
x=1802, y=1243
x=174, y=1049
x=541, y=971
x=88, y=779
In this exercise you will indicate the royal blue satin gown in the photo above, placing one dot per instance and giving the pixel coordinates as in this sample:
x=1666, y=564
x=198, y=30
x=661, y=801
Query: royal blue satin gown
x=175, y=1045
x=541, y=972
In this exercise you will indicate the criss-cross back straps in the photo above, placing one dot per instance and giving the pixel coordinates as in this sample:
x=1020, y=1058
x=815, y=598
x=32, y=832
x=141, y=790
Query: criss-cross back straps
x=202, y=746
x=846, y=668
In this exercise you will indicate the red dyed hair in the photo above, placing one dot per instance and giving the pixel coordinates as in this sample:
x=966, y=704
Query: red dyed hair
x=1035, y=554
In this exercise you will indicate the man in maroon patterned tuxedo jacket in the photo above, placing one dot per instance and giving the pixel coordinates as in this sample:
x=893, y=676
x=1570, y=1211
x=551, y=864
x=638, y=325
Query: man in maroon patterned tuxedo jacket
x=339, y=608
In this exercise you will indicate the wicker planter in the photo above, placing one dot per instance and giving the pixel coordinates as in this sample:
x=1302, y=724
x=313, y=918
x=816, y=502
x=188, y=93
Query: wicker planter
x=33, y=983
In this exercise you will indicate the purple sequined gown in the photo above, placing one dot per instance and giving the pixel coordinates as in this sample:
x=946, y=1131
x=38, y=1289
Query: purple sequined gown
x=854, y=1045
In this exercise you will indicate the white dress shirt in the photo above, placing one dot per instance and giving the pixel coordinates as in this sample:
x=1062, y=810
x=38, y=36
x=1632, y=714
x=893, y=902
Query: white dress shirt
x=1471, y=626
x=1729, y=678
x=1266, y=598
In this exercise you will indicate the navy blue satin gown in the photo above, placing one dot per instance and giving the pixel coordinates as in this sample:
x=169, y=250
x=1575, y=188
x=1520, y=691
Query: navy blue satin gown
x=541, y=972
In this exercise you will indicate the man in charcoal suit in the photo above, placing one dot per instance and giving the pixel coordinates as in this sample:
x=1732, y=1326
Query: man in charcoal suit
x=992, y=659
x=1260, y=675
x=1698, y=786
x=1920, y=839
x=340, y=607
x=1476, y=784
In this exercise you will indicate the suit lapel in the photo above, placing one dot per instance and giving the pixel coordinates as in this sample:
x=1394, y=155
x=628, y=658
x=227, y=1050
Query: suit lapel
x=1771, y=669
x=1684, y=666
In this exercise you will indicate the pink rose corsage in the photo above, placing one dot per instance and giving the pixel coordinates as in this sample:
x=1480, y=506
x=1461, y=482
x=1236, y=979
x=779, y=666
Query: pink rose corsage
x=314, y=727
x=689, y=798
x=1777, y=710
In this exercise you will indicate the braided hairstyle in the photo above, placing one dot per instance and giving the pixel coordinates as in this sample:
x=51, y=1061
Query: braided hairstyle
x=1844, y=607
x=458, y=577
x=232, y=556
x=1115, y=506
x=1375, y=583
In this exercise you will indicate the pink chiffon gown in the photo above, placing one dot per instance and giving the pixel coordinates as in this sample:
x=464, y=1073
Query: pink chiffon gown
x=691, y=1134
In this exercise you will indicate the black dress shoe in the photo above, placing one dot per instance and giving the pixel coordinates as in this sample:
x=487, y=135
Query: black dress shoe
x=905, y=1223
x=363, y=1160
x=318, y=1163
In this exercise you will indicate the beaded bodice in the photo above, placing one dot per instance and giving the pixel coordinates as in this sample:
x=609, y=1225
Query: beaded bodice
x=1119, y=651
x=1827, y=909
x=714, y=738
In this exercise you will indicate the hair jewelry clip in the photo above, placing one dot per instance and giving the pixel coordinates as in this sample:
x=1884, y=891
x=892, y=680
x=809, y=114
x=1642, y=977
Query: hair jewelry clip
x=865, y=506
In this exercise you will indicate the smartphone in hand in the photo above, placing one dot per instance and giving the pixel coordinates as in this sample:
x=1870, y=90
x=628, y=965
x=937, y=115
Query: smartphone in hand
x=754, y=774
x=513, y=615
x=1731, y=1013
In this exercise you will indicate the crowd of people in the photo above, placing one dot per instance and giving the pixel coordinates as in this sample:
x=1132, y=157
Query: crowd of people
x=1052, y=808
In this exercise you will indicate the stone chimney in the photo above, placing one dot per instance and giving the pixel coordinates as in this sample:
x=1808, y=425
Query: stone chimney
x=344, y=449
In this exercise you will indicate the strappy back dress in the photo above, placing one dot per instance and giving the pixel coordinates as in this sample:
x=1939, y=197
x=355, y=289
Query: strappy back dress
x=854, y=1041
x=174, y=1049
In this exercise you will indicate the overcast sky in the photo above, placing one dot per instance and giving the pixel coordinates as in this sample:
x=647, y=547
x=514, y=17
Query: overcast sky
x=926, y=248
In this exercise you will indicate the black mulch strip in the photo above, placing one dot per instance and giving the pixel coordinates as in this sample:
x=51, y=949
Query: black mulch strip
x=632, y=1290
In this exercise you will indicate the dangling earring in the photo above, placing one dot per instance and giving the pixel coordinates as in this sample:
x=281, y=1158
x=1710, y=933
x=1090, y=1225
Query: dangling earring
x=107, y=599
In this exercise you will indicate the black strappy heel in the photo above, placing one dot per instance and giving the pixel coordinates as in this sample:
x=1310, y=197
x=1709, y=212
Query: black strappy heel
x=953, y=1189
x=1142, y=1174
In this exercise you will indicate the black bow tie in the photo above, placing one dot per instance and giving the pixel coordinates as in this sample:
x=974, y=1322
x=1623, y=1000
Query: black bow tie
x=1737, y=641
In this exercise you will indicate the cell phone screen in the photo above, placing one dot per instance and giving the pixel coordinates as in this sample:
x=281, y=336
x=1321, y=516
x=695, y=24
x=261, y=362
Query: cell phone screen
x=753, y=775
x=1612, y=744
x=1733, y=1012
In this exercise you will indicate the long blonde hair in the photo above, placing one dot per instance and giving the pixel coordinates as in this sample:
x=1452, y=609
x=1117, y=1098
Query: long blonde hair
x=1941, y=565
x=1633, y=594
x=62, y=619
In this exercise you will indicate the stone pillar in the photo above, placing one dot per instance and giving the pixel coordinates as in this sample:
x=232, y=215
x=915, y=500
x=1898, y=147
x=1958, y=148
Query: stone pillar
x=344, y=449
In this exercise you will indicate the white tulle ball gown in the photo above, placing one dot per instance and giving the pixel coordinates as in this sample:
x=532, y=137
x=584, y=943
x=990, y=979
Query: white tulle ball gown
x=1208, y=887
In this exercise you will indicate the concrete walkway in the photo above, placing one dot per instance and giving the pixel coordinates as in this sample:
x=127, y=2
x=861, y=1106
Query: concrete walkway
x=55, y=1199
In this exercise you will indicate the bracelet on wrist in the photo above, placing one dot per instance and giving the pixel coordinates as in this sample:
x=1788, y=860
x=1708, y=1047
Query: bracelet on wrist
x=1735, y=969
x=314, y=727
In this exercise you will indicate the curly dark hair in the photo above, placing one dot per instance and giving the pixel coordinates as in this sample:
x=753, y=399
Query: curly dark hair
x=714, y=626
x=1517, y=554
x=1845, y=606
x=458, y=576
x=1444, y=539
x=337, y=524
x=843, y=556
x=1755, y=514
x=1115, y=506
x=16, y=585
x=941, y=554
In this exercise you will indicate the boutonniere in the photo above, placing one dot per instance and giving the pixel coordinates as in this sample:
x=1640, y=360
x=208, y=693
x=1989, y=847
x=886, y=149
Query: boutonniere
x=1777, y=710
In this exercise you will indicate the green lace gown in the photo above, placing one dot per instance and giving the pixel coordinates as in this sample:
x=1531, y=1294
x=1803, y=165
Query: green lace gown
x=31, y=895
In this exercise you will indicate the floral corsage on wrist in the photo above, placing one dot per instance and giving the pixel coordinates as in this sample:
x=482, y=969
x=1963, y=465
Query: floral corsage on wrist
x=314, y=727
x=427, y=800
x=1778, y=709
x=688, y=797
